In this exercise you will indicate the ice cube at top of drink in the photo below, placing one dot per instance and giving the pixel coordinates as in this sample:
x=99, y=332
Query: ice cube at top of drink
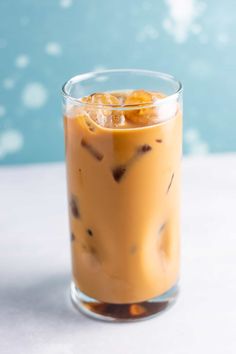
x=121, y=109
x=143, y=116
x=100, y=109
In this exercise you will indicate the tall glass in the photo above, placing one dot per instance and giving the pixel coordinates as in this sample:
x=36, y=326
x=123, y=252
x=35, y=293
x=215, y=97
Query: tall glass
x=123, y=193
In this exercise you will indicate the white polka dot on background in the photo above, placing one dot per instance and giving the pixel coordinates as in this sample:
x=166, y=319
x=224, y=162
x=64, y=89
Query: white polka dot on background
x=182, y=16
x=11, y=141
x=191, y=135
x=2, y=111
x=22, y=61
x=199, y=148
x=66, y=3
x=34, y=95
x=147, y=32
x=53, y=48
x=195, y=144
x=8, y=83
x=223, y=39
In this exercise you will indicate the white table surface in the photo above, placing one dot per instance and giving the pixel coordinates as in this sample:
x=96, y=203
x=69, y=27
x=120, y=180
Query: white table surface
x=35, y=312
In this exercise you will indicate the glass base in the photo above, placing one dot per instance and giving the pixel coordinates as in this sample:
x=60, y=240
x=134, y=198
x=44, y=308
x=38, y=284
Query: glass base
x=123, y=312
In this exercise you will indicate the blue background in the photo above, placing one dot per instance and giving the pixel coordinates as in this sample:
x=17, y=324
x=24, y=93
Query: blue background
x=43, y=43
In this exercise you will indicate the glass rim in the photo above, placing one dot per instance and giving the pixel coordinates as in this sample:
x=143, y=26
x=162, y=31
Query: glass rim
x=90, y=75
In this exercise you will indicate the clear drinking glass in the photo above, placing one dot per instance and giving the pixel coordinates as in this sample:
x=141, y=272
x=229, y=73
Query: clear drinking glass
x=123, y=193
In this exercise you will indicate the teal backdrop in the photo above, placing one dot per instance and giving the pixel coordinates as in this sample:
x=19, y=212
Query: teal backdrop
x=43, y=43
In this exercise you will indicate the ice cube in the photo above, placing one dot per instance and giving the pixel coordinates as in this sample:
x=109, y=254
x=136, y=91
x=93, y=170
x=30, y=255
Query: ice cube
x=143, y=115
x=102, y=111
x=118, y=172
x=74, y=206
x=121, y=96
x=102, y=99
x=118, y=118
x=92, y=150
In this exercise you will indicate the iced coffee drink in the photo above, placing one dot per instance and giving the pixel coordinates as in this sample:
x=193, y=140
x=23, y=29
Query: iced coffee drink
x=123, y=155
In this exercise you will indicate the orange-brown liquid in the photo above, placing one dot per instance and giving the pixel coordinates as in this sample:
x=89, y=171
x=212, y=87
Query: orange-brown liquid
x=123, y=187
